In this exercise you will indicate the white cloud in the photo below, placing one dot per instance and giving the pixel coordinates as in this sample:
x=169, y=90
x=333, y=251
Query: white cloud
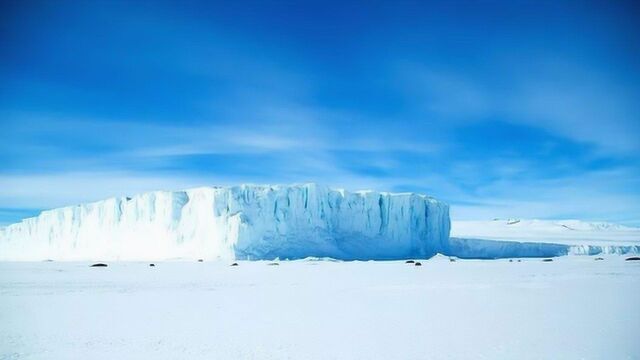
x=563, y=98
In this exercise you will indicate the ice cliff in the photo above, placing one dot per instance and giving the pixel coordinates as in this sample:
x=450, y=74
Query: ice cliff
x=239, y=222
x=467, y=248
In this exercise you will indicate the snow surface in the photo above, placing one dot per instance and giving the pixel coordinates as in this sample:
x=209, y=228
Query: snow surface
x=540, y=238
x=571, y=308
x=240, y=222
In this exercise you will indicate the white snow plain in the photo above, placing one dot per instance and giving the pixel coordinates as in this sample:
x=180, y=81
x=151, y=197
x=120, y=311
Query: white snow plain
x=571, y=308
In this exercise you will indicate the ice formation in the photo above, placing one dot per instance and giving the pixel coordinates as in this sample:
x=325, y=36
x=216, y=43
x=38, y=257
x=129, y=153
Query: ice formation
x=467, y=248
x=570, y=232
x=298, y=221
x=240, y=222
x=539, y=238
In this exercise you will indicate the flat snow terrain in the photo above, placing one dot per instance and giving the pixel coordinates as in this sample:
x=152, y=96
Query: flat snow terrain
x=571, y=308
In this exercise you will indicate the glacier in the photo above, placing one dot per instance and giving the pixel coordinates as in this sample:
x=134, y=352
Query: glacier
x=246, y=222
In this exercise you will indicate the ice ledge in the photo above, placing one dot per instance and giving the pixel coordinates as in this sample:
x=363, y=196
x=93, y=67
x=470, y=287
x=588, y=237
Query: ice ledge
x=496, y=249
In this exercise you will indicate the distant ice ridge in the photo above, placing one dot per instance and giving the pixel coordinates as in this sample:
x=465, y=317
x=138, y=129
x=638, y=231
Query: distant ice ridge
x=570, y=232
x=466, y=248
x=238, y=222
x=502, y=238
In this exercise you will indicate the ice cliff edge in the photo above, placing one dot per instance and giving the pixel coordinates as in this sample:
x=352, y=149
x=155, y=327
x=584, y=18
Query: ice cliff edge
x=237, y=222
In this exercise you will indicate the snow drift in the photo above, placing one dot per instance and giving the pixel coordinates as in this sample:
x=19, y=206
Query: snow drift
x=240, y=222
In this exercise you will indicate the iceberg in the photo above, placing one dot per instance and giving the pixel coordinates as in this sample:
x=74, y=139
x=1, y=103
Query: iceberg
x=251, y=222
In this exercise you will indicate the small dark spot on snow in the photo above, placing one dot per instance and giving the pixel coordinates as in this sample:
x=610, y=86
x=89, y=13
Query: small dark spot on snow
x=418, y=263
x=547, y=260
x=510, y=260
x=200, y=260
x=633, y=258
x=234, y=264
x=452, y=260
x=99, y=265
x=409, y=262
x=599, y=259
x=273, y=264
x=152, y=265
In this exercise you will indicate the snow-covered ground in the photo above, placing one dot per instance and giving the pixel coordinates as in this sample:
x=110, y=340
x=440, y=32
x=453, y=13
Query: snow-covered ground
x=571, y=308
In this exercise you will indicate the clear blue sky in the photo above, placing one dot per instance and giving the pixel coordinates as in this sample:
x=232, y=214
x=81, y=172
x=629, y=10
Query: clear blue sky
x=501, y=108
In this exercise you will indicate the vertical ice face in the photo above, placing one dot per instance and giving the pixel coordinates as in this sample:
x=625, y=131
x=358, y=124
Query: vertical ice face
x=240, y=222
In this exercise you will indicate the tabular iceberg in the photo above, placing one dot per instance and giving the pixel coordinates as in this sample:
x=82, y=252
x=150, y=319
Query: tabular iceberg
x=240, y=222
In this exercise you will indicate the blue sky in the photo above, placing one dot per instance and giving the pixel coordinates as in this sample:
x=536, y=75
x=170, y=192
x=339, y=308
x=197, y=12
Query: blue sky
x=501, y=108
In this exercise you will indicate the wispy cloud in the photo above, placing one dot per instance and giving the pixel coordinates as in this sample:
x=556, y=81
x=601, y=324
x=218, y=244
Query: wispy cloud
x=562, y=97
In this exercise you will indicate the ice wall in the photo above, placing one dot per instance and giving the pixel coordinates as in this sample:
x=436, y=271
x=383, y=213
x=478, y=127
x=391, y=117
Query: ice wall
x=495, y=249
x=242, y=222
x=466, y=248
